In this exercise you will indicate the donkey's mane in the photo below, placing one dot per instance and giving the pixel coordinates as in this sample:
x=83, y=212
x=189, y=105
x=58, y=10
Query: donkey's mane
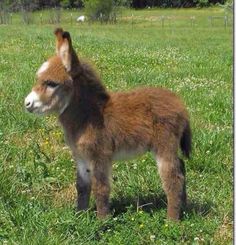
x=90, y=96
x=89, y=85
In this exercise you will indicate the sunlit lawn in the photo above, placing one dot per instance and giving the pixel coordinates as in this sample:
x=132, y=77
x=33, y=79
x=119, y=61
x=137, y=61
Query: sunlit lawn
x=37, y=173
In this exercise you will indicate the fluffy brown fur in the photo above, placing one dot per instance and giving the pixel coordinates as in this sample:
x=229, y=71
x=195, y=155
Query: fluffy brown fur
x=101, y=127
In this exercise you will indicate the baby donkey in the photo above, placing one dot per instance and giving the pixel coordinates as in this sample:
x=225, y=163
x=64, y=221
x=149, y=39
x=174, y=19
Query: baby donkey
x=102, y=126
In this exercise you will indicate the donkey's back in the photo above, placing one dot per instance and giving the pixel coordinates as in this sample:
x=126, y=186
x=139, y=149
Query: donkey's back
x=147, y=119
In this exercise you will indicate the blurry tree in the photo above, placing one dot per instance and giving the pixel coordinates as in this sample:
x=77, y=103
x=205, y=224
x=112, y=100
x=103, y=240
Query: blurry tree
x=71, y=3
x=173, y=3
x=54, y=15
x=104, y=10
x=98, y=9
x=4, y=13
x=15, y=5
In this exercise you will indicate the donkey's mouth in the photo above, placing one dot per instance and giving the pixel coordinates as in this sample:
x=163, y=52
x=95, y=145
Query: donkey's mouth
x=33, y=110
x=29, y=110
x=42, y=110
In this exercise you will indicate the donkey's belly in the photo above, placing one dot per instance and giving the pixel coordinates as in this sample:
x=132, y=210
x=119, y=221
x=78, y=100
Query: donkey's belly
x=124, y=154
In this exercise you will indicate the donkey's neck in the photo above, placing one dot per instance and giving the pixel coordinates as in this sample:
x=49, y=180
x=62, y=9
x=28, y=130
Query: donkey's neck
x=86, y=105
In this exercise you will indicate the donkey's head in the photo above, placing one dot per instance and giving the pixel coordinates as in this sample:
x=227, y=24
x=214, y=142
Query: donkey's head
x=54, y=79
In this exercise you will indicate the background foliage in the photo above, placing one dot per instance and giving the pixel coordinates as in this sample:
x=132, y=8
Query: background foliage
x=39, y=4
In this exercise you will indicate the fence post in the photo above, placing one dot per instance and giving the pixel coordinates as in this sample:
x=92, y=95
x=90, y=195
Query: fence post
x=211, y=19
x=41, y=18
x=192, y=18
x=132, y=21
x=101, y=18
x=169, y=21
x=225, y=20
x=10, y=18
x=71, y=18
x=162, y=21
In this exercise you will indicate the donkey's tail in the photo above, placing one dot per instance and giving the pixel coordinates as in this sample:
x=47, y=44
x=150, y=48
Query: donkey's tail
x=186, y=141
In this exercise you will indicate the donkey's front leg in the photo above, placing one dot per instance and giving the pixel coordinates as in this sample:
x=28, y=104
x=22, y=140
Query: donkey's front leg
x=83, y=185
x=101, y=186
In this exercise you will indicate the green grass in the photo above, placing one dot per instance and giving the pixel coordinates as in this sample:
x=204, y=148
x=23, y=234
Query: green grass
x=37, y=175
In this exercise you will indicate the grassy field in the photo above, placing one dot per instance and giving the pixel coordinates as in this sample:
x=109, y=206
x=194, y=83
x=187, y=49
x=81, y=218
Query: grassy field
x=37, y=173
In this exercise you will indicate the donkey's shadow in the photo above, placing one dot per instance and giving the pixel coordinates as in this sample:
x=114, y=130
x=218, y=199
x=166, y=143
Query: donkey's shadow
x=152, y=203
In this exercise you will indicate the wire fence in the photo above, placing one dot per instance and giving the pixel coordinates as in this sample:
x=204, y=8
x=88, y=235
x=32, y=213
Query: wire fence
x=59, y=16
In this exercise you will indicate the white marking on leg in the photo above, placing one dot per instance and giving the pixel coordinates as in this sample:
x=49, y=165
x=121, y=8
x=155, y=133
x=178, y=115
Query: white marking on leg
x=84, y=171
x=158, y=161
x=157, y=158
x=43, y=68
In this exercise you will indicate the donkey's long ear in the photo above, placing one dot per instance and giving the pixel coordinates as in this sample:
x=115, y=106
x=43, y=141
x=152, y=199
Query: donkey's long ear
x=65, y=50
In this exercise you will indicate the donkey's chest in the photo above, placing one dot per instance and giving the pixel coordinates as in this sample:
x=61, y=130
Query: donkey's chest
x=87, y=146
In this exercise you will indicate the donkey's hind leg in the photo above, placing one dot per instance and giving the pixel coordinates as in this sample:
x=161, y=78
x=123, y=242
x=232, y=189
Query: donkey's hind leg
x=172, y=173
x=183, y=171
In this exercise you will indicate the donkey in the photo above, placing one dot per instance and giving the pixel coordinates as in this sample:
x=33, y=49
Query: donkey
x=102, y=126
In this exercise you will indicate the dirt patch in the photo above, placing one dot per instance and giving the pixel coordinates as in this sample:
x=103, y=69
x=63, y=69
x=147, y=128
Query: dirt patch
x=65, y=196
x=224, y=234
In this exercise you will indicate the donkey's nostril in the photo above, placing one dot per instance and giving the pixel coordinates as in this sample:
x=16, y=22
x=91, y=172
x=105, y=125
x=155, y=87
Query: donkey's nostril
x=32, y=101
x=28, y=103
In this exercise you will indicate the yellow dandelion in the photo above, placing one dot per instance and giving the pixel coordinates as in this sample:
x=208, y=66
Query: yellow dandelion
x=141, y=226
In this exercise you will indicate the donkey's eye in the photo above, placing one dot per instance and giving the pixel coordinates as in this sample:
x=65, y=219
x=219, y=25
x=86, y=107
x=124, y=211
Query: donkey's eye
x=51, y=84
